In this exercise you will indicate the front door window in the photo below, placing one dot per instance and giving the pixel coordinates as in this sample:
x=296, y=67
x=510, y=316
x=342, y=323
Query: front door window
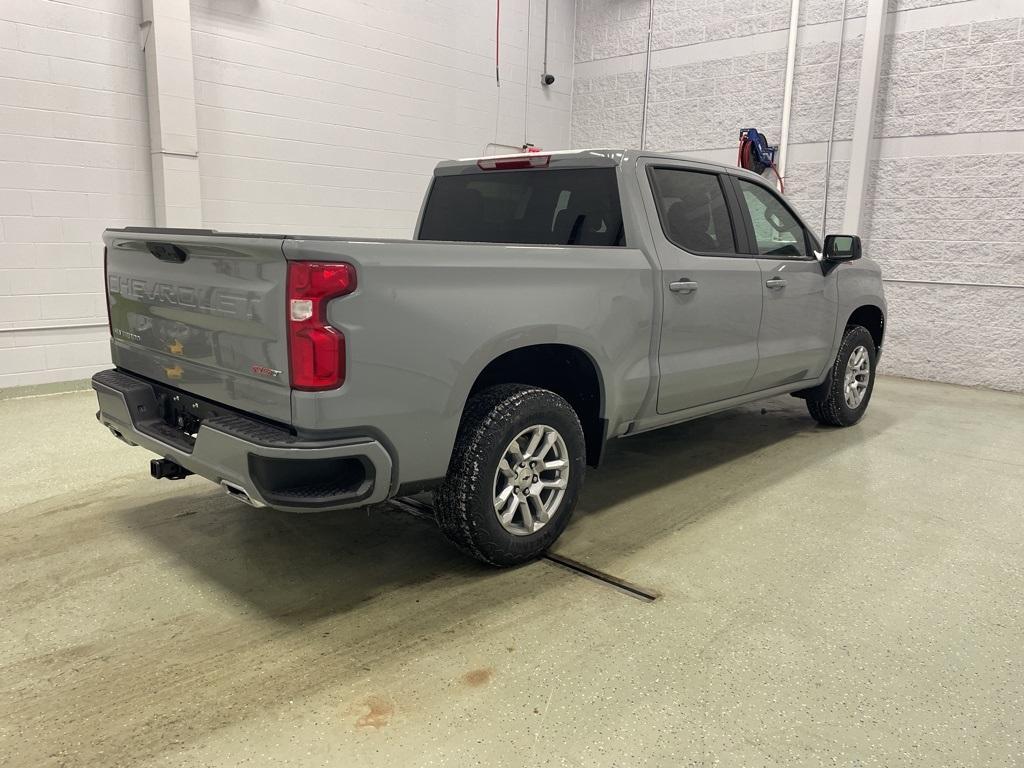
x=776, y=231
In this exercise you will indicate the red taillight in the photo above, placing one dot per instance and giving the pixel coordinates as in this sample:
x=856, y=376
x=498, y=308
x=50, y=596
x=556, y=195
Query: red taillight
x=513, y=162
x=106, y=292
x=316, y=351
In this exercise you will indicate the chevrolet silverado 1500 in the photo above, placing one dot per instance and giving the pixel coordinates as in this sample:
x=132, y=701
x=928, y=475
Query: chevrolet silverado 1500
x=548, y=303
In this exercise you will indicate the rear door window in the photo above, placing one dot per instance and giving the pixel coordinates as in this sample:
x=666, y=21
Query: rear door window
x=692, y=210
x=540, y=206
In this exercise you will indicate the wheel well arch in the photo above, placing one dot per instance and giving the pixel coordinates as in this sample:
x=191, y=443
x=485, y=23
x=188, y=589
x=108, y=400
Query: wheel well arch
x=872, y=318
x=567, y=371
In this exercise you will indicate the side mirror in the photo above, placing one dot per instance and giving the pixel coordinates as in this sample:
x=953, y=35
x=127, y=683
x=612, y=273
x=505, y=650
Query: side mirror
x=841, y=248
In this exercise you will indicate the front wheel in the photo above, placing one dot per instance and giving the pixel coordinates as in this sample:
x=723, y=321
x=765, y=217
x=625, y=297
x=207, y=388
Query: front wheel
x=515, y=474
x=851, y=381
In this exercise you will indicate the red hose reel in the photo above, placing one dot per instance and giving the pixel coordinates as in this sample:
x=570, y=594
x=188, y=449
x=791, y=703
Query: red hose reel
x=755, y=154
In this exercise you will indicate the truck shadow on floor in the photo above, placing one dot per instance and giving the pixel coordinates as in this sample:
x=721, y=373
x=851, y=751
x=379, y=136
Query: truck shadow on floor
x=711, y=462
x=301, y=568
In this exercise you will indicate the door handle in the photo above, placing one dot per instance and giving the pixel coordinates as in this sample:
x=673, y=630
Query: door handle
x=775, y=282
x=682, y=286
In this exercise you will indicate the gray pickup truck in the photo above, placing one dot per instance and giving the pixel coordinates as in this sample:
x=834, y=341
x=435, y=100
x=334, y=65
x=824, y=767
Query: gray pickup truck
x=549, y=303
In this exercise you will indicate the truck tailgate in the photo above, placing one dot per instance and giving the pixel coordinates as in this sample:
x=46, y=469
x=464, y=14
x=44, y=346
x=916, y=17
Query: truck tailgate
x=202, y=312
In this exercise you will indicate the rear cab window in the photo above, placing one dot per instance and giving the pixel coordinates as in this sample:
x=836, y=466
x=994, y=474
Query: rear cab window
x=537, y=206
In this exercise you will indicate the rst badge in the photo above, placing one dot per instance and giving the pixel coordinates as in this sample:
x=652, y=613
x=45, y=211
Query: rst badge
x=262, y=370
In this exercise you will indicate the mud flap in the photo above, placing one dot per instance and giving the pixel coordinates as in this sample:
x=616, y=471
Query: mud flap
x=819, y=392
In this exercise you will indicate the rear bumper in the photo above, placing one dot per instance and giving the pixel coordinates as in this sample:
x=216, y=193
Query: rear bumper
x=254, y=461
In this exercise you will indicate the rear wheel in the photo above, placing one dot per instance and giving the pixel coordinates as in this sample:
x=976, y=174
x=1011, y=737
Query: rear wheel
x=851, y=381
x=515, y=474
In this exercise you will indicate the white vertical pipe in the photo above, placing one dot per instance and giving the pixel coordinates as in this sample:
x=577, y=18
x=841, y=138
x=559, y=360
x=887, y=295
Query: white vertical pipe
x=546, y=23
x=787, y=94
x=647, y=76
x=526, y=84
x=572, y=76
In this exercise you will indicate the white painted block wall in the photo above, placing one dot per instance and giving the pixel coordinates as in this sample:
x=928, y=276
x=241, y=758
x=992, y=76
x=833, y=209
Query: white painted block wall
x=947, y=193
x=74, y=158
x=324, y=117
x=315, y=116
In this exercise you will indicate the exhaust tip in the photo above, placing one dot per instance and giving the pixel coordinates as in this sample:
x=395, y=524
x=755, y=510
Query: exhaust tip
x=238, y=492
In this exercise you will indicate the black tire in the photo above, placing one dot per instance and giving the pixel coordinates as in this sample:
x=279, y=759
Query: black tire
x=832, y=409
x=464, y=503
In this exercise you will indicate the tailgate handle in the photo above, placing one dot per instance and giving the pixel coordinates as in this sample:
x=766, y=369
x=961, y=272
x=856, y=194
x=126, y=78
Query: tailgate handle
x=168, y=252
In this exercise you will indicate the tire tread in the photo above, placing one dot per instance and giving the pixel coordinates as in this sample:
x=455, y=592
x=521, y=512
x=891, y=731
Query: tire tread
x=831, y=410
x=484, y=416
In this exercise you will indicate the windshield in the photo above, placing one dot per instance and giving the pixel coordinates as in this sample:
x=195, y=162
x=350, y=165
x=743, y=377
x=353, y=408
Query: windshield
x=573, y=206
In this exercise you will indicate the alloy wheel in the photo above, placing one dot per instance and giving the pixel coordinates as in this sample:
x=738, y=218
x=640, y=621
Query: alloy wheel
x=858, y=376
x=531, y=479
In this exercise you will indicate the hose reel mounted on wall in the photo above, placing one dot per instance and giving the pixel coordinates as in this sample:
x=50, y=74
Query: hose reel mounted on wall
x=755, y=154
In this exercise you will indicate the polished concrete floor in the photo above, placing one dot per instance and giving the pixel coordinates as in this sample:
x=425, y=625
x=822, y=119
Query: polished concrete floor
x=827, y=597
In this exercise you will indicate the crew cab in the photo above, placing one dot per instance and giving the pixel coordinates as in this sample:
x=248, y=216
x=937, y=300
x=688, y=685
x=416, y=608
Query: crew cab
x=549, y=303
